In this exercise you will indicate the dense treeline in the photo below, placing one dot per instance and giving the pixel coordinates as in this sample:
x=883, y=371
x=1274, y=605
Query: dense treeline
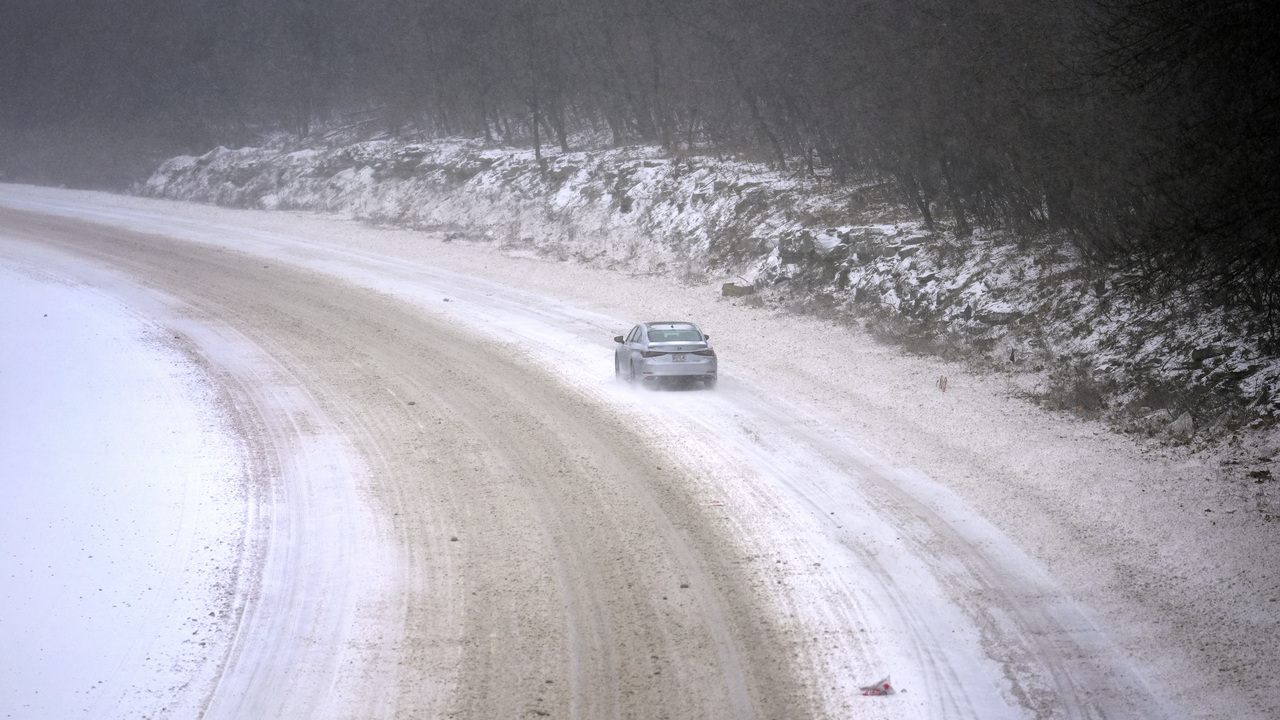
x=1143, y=130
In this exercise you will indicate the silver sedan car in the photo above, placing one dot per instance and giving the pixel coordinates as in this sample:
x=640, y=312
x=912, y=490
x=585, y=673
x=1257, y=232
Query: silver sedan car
x=671, y=351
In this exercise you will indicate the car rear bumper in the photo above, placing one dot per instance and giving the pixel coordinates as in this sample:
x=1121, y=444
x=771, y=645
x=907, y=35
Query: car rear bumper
x=665, y=367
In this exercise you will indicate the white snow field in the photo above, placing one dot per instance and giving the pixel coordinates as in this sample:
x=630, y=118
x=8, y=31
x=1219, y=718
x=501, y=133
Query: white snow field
x=122, y=523
x=831, y=516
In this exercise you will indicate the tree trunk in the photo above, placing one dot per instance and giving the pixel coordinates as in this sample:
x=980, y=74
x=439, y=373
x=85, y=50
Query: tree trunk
x=537, y=140
x=912, y=187
x=963, y=228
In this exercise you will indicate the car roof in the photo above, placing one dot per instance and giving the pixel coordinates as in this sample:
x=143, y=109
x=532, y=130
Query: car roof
x=673, y=323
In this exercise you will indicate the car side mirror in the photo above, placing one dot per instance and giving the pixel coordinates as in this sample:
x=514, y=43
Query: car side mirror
x=618, y=339
x=706, y=336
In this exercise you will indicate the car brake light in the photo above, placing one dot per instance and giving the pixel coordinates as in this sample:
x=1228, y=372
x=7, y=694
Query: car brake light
x=651, y=353
x=708, y=352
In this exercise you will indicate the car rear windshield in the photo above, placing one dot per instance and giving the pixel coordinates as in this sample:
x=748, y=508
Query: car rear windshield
x=674, y=335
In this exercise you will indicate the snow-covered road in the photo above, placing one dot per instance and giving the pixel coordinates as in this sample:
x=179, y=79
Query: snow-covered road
x=444, y=504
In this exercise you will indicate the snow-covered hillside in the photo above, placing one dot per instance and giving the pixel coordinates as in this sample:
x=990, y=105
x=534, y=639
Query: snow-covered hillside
x=1065, y=332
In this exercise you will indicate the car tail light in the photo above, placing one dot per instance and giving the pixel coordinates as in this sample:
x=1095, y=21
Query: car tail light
x=651, y=353
x=708, y=352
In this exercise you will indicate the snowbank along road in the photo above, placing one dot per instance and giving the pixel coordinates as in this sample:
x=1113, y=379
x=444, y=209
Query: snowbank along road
x=451, y=509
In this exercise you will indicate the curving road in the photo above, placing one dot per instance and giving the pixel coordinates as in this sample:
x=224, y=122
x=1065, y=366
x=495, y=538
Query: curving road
x=444, y=520
x=542, y=559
